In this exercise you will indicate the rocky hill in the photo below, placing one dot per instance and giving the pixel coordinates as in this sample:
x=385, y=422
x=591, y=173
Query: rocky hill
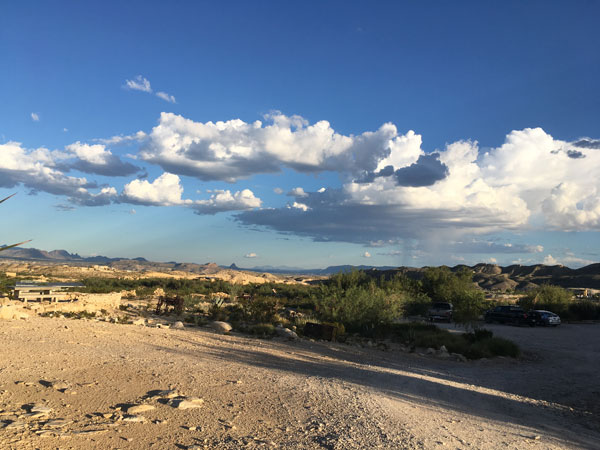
x=517, y=277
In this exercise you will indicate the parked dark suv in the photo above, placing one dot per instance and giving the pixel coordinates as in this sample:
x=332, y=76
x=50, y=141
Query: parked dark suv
x=509, y=314
x=440, y=311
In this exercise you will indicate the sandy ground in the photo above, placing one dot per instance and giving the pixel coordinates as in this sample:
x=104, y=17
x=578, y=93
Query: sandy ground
x=288, y=394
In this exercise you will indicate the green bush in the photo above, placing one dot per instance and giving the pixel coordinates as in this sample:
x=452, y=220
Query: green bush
x=417, y=305
x=583, y=310
x=479, y=335
x=548, y=297
x=359, y=308
x=262, y=330
x=502, y=347
x=261, y=309
x=443, y=285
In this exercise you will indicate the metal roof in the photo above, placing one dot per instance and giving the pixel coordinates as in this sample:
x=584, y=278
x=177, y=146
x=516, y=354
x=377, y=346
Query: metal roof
x=47, y=285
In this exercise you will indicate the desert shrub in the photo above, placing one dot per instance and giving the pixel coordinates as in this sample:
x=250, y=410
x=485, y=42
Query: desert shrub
x=190, y=319
x=191, y=302
x=583, y=310
x=417, y=305
x=468, y=307
x=479, y=335
x=548, y=297
x=235, y=313
x=340, y=329
x=443, y=285
x=76, y=314
x=478, y=344
x=262, y=330
x=360, y=308
x=216, y=311
x=261, y=309
x=363, y=303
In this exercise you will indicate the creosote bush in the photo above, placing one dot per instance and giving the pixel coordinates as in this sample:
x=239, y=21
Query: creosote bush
x=361, y=303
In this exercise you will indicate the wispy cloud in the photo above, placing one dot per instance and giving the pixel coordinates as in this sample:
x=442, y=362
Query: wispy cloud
x=122, y=139
x=166, y=97
x=35, y=117
x=139, y=83
x=64, y=207
x=251, y=255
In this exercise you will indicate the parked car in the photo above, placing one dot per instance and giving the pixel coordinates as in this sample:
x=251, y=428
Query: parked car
x=509, y=314
x=545, y=318
x=440, y=311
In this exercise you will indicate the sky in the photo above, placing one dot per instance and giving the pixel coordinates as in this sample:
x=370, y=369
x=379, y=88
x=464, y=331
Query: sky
x=303, y=134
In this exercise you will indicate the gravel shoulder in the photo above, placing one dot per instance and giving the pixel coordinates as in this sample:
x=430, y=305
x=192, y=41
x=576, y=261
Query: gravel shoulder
x=82, y=375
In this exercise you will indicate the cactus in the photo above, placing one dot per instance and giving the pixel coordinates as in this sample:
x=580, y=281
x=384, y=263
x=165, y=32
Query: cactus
x=218, y=302
x=13, y=245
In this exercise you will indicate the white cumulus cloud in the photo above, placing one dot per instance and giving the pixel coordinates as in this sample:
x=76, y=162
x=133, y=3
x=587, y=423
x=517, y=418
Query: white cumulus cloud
x=532, y=181
x=301, y=206
x=38, y=170
x=297, y=192
x=98, y=159
x=549, y=260
x=235, y=149
x=166, y=190
x=251, y=255
x=35, y=117
x=225, y=200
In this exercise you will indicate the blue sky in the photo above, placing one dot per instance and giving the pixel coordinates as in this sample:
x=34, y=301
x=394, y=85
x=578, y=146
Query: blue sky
x=419, y=132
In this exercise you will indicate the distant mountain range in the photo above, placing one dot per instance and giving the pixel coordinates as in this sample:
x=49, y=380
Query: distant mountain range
x=139, y=264
x=34, y=254
x=299, y=271
x=487, y=276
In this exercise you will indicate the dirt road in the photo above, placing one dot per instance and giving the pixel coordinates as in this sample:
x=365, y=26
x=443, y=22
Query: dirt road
x=287, y=394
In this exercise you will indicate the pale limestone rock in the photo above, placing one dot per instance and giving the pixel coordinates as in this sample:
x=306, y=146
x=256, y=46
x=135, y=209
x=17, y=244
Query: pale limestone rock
x=136, y=409
x=221, y=327
x=187, y=403
x=287, y=333
x=135, y=419
x=11, y=312
x=178, y=325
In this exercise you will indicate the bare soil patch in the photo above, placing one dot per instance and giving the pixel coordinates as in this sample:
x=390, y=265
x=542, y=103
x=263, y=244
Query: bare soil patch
x=71, y=383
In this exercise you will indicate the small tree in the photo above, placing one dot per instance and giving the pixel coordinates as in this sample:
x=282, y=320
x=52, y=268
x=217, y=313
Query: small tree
x=13, y=245
x=552, y=298
x=443, y=285
x=468, y=306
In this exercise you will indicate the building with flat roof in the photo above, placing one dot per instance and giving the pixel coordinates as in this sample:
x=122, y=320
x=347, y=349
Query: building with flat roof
x=52, y=292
